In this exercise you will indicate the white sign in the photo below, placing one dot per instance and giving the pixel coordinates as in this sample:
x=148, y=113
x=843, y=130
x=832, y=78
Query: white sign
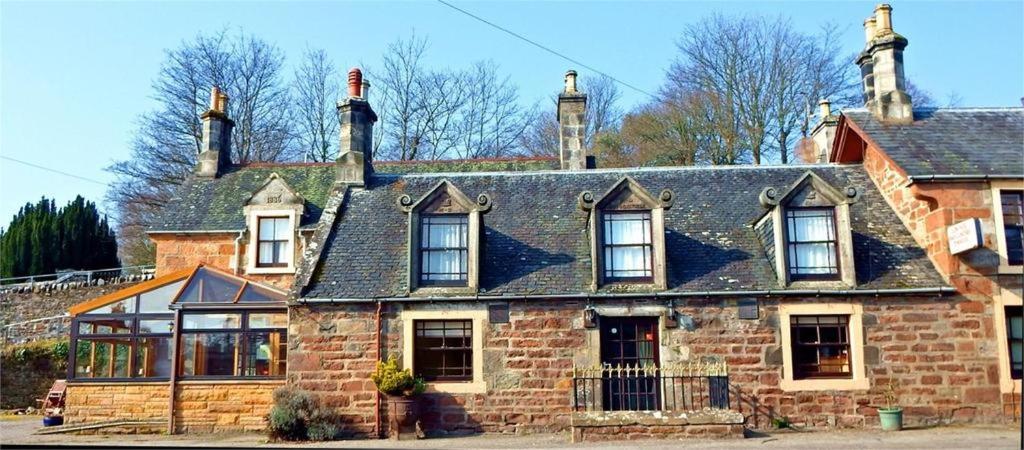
x=964, y=236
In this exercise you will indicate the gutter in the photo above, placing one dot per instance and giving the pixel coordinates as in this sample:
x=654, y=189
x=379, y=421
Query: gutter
x=961, y=178
x=939, y=291
x=194, y=231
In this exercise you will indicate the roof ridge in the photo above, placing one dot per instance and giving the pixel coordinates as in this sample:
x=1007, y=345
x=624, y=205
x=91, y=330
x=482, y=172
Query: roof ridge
x=621, y=169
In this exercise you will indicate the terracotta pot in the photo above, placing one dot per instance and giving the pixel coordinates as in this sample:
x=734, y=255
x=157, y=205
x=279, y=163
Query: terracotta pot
x=403, y=415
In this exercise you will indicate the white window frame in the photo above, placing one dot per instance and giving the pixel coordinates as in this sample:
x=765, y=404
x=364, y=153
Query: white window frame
x=478, y=317
x=858, y=379
x=251, y=251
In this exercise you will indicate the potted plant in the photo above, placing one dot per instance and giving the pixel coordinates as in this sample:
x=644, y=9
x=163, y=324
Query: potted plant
x=892, y=415
x=402, y=389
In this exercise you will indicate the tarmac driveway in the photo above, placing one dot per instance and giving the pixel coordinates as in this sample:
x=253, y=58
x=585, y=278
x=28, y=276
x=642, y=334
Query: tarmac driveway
x=19, y=431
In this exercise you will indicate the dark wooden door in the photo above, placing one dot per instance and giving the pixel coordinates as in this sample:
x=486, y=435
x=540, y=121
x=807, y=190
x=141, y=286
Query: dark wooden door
x=629, y=342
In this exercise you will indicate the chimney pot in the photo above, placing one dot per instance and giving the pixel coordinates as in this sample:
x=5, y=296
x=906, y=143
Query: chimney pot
x=365, y=90
x=222, y=102
x=825, y=107
x=883, y=14
x=355, y=83
x=870, y=29
x=570, y=82
x=215, y=98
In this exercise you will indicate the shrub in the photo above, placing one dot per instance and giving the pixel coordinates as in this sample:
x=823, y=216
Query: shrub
x=392, y=380
x=28, y=371
x=297, y=416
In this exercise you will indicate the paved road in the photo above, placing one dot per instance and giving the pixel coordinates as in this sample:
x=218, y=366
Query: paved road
x=19, y=431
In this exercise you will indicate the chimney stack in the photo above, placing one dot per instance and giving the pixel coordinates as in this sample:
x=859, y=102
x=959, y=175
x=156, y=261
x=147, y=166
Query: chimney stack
x=355, y=146
x=885, y=93
x=824, y=132
x=572, y=125
x=215, y=153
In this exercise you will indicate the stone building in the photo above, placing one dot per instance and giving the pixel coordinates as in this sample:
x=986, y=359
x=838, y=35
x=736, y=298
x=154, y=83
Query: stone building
x=541, y=295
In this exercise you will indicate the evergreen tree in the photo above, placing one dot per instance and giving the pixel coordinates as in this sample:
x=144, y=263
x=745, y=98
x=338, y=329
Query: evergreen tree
x=42, y=239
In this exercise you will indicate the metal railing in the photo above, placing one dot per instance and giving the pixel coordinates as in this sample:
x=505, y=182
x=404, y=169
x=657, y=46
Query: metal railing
x=67, y=276
x=677, y=387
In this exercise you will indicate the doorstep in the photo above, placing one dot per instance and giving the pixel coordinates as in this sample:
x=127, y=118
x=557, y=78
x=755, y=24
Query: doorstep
x=631, y=425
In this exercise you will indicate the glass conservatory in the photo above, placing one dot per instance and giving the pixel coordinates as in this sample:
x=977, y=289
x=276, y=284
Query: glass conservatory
x=199, y=323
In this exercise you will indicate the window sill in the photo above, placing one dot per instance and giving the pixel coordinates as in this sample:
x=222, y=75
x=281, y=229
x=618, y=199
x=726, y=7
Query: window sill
x=457, y=387
x=427, y=291
x=825, y=384
x=1006, y=269
x=122, y=382
x=1008, y=385
x=275, y=381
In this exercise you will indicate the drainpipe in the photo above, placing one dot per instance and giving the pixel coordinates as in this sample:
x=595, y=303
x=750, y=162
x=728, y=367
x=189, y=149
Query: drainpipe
x=376, y=411
x=238, y=253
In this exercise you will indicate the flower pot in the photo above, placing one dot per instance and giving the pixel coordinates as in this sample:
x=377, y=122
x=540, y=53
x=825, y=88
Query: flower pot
x=403, y=416
x=52, y=421
x=892, y=419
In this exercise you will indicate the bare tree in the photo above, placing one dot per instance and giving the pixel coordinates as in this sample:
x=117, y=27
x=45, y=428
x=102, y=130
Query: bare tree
x=316, y=90
x=490, y=122
x=167, y=140
x=766, y=72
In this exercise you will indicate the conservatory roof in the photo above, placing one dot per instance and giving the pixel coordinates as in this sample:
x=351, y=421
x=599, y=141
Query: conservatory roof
x=197, y=285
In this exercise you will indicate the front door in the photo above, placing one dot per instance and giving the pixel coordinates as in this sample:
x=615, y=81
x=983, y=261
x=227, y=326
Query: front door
x=629, y=342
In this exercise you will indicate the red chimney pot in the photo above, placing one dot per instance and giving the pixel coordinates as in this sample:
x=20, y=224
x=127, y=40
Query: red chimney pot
x=355, y=82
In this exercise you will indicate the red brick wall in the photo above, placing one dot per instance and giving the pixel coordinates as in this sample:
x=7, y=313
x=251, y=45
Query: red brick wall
x=177, y=252
x=936, y=348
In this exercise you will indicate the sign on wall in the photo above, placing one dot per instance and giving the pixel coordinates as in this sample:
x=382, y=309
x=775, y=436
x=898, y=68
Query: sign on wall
x=964, y=236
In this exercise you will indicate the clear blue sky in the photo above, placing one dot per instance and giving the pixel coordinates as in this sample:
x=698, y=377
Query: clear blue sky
x=75, y=75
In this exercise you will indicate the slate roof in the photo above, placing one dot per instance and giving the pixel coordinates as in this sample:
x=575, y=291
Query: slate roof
x=952, y=141
x=216, y=204
x=536, y=239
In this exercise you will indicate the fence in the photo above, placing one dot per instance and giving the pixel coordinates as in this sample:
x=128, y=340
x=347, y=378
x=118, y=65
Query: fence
x=678, y=387
x=69, y=276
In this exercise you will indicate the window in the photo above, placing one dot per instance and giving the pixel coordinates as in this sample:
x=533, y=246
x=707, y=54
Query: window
x=443, y=350
x=444, y=249
x=1013, y=225
x=811, y=243
x=1015, y=335
x=627, y=246
x=273, y=248
x=128, y=338
x=820, y=346
x=233, y=344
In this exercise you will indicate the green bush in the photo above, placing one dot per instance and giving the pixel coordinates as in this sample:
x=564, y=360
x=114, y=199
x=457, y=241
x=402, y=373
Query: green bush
x=392, y=380
x=298, y=416
x=28, y=371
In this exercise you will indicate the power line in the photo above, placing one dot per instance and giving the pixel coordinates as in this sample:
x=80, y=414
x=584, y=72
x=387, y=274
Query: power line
x=37, y=166
x=545, y=48
x=103, y=211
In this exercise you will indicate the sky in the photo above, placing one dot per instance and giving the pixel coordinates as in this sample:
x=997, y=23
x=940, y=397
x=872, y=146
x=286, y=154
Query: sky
x=75, y=75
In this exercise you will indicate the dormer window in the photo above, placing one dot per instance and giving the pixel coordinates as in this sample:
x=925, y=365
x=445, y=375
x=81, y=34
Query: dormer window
x=272, y=214
x=273, y=242
x=628, y=239
x=811, y=243
x=444, y=240
x=444, y=249
x=806, y=232
x=628, y=247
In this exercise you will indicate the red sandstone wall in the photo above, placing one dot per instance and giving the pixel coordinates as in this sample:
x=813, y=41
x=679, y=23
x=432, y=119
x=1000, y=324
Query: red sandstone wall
x=936, y=348
x=177, y=252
